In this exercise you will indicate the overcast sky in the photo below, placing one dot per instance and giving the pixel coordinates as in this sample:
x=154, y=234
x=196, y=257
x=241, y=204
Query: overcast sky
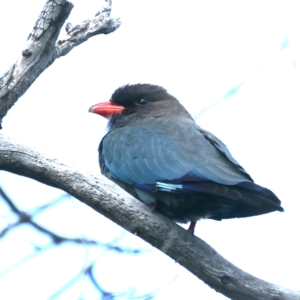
x=233, y=64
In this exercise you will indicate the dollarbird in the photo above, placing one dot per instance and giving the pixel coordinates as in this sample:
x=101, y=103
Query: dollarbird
x=157, y=153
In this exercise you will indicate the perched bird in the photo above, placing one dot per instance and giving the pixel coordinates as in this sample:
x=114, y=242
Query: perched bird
x=155, y=151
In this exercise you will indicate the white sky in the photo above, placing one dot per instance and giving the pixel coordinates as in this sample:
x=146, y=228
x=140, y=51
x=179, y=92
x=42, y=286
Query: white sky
x=199, y=51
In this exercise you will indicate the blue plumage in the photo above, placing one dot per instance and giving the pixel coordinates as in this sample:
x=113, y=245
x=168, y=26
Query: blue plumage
x=156, y=151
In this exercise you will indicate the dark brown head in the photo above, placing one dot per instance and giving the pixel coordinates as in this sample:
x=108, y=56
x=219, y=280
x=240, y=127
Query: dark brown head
x=133, y=102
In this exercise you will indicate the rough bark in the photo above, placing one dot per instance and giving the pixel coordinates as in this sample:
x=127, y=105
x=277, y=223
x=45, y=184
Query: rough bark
x=111, y=201
x=43, y=48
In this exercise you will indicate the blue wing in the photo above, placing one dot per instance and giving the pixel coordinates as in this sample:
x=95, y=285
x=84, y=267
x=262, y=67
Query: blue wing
x=170, y=152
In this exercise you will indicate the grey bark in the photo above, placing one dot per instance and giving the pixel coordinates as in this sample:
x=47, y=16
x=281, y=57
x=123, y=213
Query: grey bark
x=42, y=49
x=111, y=201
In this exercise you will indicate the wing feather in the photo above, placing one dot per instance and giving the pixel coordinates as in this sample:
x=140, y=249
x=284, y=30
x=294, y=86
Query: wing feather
x=168, y=150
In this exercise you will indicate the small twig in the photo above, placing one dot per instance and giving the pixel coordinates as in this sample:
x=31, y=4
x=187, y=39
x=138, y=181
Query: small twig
x=43, y=48
x=26, y=258
x=107, y=198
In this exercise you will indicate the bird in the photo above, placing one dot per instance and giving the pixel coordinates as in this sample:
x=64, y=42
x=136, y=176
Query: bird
x=156, y=151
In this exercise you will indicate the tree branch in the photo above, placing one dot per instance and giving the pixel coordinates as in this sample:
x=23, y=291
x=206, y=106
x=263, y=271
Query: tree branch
x=42, y=47
x=41, y=50
x=111, y=201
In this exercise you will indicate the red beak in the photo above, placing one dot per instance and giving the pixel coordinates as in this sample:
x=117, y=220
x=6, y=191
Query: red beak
x=106, y=109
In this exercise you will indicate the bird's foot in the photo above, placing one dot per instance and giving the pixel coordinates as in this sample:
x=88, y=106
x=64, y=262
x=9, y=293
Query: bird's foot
x=152, y=206
x=192, y=226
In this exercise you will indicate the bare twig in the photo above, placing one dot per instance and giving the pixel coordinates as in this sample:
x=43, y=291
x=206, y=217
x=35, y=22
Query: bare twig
x=88, y=271
x=32, y=255
x=102, y=23
x=27, y=217
x=108, y=199
x=42, y=47
x=41, y=51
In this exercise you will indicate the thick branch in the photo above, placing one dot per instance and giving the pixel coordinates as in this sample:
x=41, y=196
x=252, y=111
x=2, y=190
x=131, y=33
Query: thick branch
x=108, y=199
x=42, y=47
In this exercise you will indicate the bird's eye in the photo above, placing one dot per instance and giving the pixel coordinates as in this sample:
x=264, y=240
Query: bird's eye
x=142, y=101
